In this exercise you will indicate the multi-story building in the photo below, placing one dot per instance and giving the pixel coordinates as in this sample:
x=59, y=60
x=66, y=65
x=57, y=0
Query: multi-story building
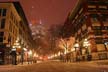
x=88, y=23
x=15, y=33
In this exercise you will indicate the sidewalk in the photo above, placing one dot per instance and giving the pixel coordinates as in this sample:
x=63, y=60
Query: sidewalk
x=101, y=62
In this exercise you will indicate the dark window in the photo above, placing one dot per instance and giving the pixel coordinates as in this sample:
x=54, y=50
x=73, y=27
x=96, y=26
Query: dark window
x=106, y=2
x=1, y=33
x=4, y=12
x=84, y=32
x=97, y=32
x=91, y=2
x=105, y=28
x=103, y=2
x=1, y=39
x=102, y=9
x=94, y=17
x=0, y=11
x=96, y=27
x=99, y=40
x=91, y=9
x=2, y=23
x=104, y=17
x=9, y=38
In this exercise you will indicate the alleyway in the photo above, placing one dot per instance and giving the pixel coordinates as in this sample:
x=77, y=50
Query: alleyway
x=55, y=66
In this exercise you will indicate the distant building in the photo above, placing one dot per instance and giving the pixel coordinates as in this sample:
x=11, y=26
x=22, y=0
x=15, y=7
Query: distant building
x=38, y=30
x=14, y=31
x=88, y=23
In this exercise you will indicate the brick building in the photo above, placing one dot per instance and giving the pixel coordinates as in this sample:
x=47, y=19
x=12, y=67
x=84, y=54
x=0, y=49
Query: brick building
x=88, y=23
x=15, y=33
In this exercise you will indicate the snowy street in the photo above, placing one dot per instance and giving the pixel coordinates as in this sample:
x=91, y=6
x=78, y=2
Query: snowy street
x=55, y=66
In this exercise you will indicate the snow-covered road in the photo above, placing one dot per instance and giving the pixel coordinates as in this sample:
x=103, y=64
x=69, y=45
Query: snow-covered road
x=55, y=66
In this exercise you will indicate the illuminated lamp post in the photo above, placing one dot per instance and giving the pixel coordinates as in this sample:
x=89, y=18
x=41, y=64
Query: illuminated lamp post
x=30, y=56
x=86, y=44
x=13, y=53
x=76, y=46
x=15, y=50
x=22, y=53
x=106, y=45
x=34, y=57
x=19, y=47
x=19, y=44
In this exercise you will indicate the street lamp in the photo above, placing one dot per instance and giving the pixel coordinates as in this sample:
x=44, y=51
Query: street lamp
x=76, y=46
x=86, y=44
x=13, y=54
x=30, y=56
x=106, y=45
x=18, y=46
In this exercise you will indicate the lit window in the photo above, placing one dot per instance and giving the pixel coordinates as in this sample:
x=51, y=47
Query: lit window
x=91, y=6
x=103, y=7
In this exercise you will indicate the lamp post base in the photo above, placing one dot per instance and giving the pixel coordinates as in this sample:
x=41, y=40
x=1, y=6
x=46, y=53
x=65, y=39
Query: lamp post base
x=89, y=57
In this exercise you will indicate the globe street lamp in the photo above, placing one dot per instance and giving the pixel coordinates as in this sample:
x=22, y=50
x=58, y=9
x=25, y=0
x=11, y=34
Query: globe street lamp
x=86, y=44
x=13, y=54
x=76, y=46
x=18, y=48
x=30, y=56
x=106, y=45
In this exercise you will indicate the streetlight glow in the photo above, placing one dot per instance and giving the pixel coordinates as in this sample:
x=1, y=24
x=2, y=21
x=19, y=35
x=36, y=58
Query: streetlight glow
x=30, y=52
x=86, y=43
x=25, y=49
x=76, y=45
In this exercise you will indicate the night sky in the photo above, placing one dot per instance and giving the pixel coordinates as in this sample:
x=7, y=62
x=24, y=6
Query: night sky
x=49, y=12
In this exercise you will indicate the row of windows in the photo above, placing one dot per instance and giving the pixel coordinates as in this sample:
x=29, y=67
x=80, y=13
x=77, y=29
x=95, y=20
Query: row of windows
x=100, y=28
x=97, y=32
x=97, y=2
x=99, y=41
x=84, y=34
x=13, y=24
x=13, y=18
x=99, y=7
x=96, y=17
x=12, y=28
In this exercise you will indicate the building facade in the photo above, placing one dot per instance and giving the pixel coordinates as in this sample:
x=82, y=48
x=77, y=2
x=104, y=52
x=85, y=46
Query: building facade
x=15, y=34
x=88, y=23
